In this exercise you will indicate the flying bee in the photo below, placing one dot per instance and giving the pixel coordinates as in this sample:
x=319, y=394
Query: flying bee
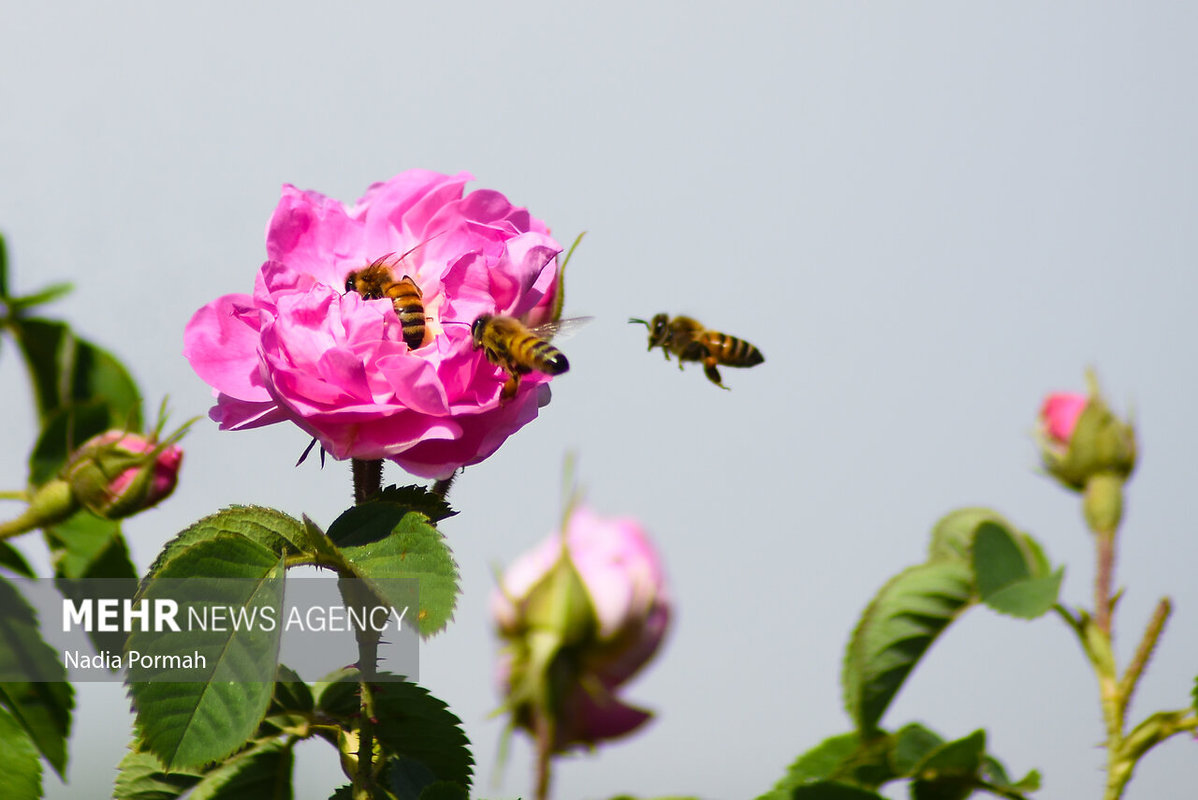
x=518, y=349
x=690, y=341
x=376, y=281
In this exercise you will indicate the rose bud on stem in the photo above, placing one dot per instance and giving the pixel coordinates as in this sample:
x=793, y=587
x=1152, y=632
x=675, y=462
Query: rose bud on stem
x=580, y=615
x=1089, y=450
x=113, y=475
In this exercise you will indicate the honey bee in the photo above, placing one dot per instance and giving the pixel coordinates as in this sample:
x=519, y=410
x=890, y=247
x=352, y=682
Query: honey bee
x=376, y=281
x=518, y=349
x=690, y=341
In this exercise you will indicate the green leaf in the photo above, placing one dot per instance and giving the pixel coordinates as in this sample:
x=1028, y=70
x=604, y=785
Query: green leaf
x=71, y=371
x=41, y=707
x=87, y=546
x=961, y=757
x=913, y=743
x=950, y=772
x=821, y=762
x=3, y=269
x=952, y=535
x=994, y=773
x=1195, y=694
x=444, y=790
x=20, y=769
x=843, y=759
x=896, y=629
x=291, y=693
x=141, y=776
x=826, y=790
x=64, y=429
x=263, y=770
x=189, y=724
x=417, y=498
x=41, y=343
x=96, y=374
x=318, y=544
x=273, y=530
x=1006, y=568
x=19, y=305
x=388, y=547
x=12, y=560
x=411, y=724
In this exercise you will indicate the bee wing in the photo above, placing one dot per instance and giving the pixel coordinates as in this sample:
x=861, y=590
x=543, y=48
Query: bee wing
x=561, y=329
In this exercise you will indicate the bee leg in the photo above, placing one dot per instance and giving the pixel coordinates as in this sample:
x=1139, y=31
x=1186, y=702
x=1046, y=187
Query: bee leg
x=510, y=387
x=712, y=373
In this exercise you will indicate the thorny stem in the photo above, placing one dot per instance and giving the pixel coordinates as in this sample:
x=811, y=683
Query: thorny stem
x=1144, y=652
x=368, y=481
x=1104, y=575
x=441, y=487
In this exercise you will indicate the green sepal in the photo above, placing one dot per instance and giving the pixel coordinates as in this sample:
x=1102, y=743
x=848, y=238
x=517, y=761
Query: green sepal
x=559, y=300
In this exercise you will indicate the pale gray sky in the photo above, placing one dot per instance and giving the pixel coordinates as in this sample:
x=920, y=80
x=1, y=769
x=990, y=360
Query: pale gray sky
x=926, y=214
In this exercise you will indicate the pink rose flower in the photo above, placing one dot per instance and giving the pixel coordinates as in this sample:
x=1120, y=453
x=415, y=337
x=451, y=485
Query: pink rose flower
x=117, y=474
x=1059, y=415
x=629, y=612
x=302, y=348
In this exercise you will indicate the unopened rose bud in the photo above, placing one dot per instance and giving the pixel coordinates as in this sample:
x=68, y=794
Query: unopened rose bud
x=1081, y=438
x=579, y=620
x=117, y=474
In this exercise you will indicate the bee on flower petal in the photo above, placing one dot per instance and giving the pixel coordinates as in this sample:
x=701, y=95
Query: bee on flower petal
x=377, y=280
x=509, y=344
x=688, y=339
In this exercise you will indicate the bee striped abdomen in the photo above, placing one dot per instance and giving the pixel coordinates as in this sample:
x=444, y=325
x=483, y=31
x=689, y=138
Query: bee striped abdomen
x=406, y=297
x=546, y=357
x=731, y=351
x=375, y=281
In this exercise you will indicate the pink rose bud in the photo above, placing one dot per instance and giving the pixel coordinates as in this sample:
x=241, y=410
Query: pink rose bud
x=117, y=474
x=1081, y=439
x=601, y=602
x=1059, y=415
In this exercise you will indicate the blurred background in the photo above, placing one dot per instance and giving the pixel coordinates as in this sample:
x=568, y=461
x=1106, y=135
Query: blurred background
x=927, y=215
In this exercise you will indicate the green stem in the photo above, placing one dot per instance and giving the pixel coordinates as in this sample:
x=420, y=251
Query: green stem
x=368, y=480
x=1104, y=576
x=1152, y=634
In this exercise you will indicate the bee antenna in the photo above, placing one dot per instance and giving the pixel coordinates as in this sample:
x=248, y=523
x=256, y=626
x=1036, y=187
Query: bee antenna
x=418, y=246
x=455, y=322
x=641, y=321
